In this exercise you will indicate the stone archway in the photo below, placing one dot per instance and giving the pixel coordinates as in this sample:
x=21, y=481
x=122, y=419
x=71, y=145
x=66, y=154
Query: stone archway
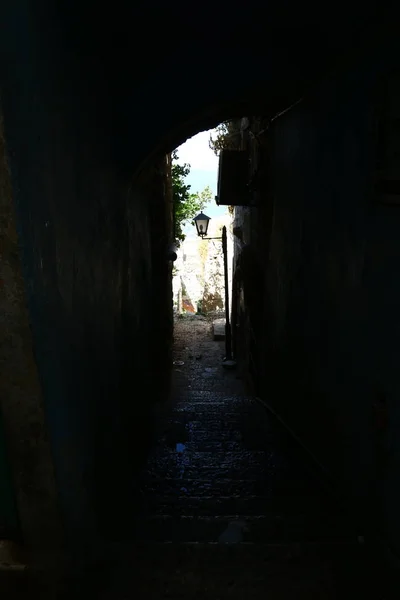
x=87, y=109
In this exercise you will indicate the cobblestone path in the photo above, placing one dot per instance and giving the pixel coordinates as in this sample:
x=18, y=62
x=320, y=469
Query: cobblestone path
x=232, y=509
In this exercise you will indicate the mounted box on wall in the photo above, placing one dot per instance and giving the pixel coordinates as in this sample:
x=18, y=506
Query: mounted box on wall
x=233, y=176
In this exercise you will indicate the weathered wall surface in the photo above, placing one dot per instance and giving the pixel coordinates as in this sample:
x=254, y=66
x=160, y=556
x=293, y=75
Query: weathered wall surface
x=98, y=291
x=200, y=270
x=331, y=359
x=85, y=105
x=29, y=500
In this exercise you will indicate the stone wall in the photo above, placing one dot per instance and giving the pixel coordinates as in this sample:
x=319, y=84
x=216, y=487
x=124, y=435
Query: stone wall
x=199, y=269
x=329, y=246
x=86, y=107
x=29, y=505
x=98, y=289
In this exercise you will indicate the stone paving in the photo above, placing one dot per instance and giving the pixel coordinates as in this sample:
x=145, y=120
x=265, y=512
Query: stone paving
x=231, y=510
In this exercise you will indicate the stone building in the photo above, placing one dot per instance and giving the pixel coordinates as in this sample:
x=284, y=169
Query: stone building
x=198, y=280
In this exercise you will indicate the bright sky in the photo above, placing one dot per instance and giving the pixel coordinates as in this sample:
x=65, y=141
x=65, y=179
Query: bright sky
x=203, y=171
x=198, y=154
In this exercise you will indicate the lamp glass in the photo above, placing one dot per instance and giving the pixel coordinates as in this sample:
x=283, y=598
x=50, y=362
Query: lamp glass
x=202, y=222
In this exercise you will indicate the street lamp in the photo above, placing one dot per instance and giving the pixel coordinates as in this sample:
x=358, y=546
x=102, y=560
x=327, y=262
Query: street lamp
x=201, y=222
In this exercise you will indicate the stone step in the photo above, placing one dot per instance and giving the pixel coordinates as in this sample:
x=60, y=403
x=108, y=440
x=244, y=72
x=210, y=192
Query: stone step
x=190, y=412
x=230, y=442
x=205, y=445
x=185, y=469
x=217, y=383
x=259, y=529
x=266, y=550
x=245, y=460
x=284, y=490
x=199, y=395
x=226, y=505
x=237, y=571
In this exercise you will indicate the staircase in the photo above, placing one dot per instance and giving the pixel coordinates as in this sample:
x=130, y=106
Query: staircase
x=230, y=509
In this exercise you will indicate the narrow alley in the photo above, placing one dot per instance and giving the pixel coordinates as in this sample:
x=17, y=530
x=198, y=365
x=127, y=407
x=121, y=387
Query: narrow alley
x=299, y=111
x=230, y=509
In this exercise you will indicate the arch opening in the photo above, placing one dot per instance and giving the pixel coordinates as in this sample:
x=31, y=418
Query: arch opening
x=90, y=182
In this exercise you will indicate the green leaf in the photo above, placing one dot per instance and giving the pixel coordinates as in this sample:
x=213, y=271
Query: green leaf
x=186, y=204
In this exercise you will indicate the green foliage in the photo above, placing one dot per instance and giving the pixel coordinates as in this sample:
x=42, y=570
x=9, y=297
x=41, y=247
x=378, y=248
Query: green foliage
x=227, y=136
x=186, y=204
